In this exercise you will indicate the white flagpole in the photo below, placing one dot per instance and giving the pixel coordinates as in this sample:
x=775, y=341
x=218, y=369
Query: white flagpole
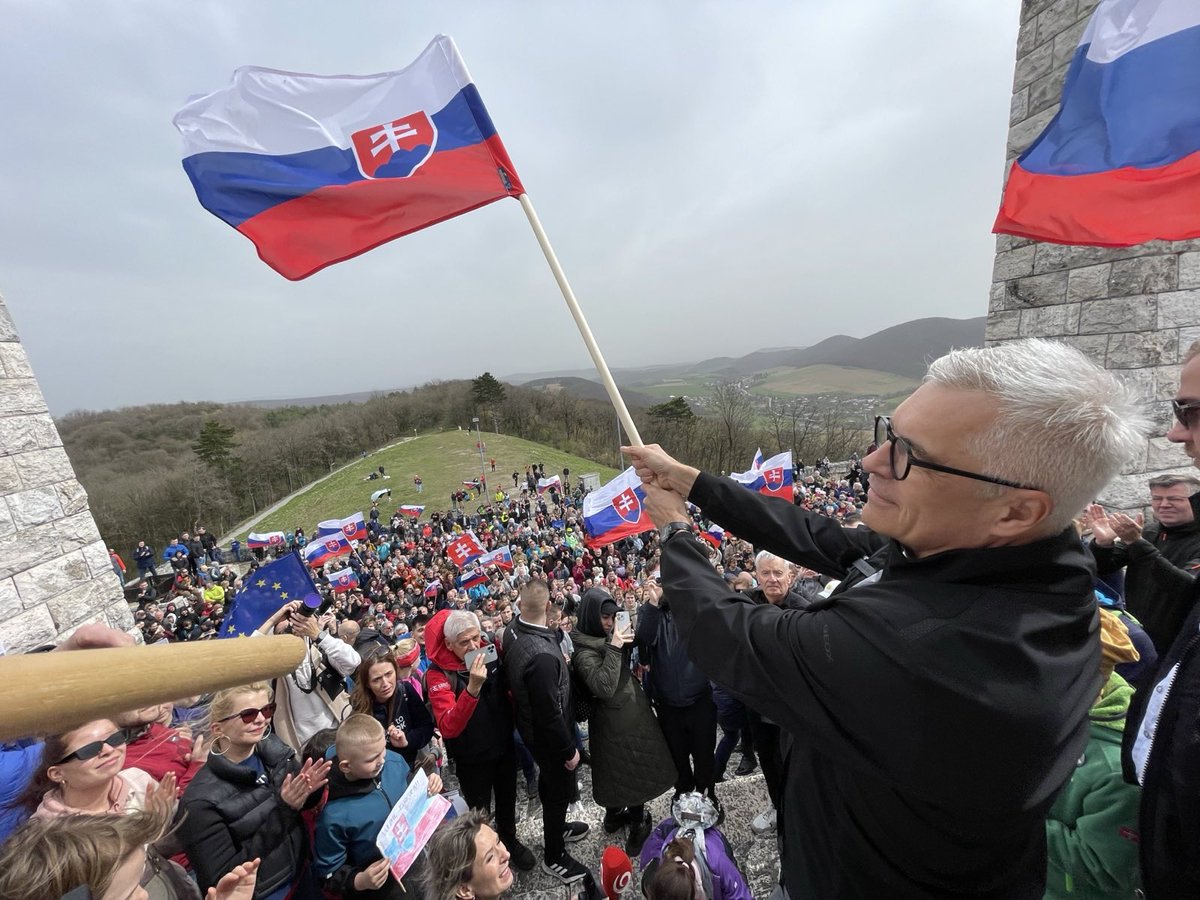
x=614, y=394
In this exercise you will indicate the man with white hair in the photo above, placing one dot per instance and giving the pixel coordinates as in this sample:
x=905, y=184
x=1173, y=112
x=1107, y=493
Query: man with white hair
x=933, y=708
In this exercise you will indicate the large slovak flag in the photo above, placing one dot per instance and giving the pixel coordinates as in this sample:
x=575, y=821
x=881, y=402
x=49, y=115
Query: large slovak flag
x=545, y=484
x=616, y=510
x=316, y=169
x=1120, y=162
x=464, y=548
x=324, y=548
x=473, y=578
x=773, y=478
x=410, y=510
x=343, y=580
x=256, y=541
x=354, y=527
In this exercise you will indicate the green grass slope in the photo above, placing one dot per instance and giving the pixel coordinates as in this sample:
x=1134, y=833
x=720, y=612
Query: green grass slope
x=442, y=460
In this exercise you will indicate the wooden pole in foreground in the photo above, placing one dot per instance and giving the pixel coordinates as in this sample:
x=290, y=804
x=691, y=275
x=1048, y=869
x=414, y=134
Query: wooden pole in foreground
x=47, y=693
x=614, y=394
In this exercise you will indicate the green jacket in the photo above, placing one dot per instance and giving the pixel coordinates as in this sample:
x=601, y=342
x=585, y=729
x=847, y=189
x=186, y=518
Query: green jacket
x=1091, y=832
x=630, y=760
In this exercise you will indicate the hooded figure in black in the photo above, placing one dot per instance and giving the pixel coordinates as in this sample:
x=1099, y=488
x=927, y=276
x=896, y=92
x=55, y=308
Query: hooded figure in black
x=631, y=764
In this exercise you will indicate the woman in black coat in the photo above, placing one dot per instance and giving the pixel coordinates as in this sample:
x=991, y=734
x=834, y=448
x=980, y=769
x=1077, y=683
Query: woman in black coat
x=246, y=801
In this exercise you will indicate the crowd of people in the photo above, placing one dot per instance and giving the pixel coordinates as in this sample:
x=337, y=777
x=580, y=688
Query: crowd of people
x=930, y=658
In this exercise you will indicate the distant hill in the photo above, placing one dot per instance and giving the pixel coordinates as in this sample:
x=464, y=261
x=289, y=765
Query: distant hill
x=591, y=390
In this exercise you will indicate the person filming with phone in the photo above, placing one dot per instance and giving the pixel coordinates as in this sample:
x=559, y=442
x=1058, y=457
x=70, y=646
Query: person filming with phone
x=631, y=764
x=470, y=707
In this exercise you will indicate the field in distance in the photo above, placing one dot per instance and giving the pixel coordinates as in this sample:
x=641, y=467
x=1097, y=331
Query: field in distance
x=827, y=379
x=443, y=461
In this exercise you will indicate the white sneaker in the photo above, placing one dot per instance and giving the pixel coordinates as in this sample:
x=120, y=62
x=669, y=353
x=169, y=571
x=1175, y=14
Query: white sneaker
x=765, y=822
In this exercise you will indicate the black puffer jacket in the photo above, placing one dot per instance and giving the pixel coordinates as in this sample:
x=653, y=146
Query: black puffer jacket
x=235, y=815
x=631, y=764
x=540, y=683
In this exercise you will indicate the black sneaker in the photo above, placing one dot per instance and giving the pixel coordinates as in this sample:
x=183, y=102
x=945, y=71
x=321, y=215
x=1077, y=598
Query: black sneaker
x=575, y=831
x=638, y=832
x=520, y=855
x=615, y=819
x=747, y=765
x=566, y=868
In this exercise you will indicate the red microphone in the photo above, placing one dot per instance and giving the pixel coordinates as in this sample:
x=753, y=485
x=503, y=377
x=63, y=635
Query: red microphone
x=616, y=872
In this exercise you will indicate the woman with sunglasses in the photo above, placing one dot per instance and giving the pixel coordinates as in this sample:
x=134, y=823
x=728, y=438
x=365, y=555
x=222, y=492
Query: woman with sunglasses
x=83, y=773
x=246, y=801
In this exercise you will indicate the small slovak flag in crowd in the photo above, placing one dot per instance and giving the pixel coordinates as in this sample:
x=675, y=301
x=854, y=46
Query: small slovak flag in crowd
x=758, y=460
x=317, y=169
x=464, y=548
x=431, y=589
x=411, y=510
x=473, y=578
x=544, y=484
x=473, y=485
x=353, y=526
x=501, y=558
x=714, y=534
x=616, y=510
x=324, y=548
x=343, y=580
x=773, y=478
x=256, y=541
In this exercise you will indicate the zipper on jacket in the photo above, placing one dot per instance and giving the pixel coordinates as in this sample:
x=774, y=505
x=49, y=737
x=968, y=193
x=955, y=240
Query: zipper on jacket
x=1163, y=706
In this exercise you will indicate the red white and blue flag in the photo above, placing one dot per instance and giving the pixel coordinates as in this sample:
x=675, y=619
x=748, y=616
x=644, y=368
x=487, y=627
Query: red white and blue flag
x=317, y=169
x=758, y=460
x=473, y=578
x=545, y=484
x=616, y=510
x=1120, y=162
x=354, y=527
x=431, y=589
x=464, y=548
x=343, y=580
x=714, y=534
x=324, y=548
x=501, y=557
x=411, y=510
x=773, y=478
x=256, y=541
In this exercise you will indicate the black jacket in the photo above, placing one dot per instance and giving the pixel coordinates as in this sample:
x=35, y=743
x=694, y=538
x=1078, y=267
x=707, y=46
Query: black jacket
x=673, y=679
x=1169, y=815
x=1159, y=575
x=232, y=816
x=540, y=682
x=930, y=716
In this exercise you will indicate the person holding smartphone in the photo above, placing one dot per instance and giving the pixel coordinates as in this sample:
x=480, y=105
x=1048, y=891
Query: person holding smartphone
x=631, y=764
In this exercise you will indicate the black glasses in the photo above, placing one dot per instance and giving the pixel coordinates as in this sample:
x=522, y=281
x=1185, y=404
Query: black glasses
x=1186, y=412
x=903, y=460
x=92, y=750
x=248, y=716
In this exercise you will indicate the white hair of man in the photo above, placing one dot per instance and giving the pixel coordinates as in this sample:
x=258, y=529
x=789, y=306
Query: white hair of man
x=458, y=623
x=765, y=556
x=1062, y=423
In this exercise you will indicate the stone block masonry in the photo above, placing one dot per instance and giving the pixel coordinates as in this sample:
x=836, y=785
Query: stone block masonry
x=1135, y=310
x=54, y=568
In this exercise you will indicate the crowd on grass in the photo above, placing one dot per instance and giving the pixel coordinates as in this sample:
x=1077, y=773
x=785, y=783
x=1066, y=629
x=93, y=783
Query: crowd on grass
x=930, y=658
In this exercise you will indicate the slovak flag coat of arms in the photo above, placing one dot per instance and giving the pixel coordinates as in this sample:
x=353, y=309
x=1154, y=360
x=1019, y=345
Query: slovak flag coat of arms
x=394, y=149
x=616, y=510
x=464, y=548
x=325, y=548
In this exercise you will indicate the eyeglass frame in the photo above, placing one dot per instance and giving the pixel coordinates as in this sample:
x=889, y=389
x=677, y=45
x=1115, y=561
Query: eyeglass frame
x=267, y=712
x=84, y=753
x=1184, y=411
x=912, y=460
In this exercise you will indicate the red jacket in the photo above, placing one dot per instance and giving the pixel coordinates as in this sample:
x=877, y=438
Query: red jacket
x=451, y=714
x=160, y=750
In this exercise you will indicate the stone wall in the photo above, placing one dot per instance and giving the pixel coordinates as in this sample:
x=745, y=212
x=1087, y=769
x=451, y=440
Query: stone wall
x=1133, y=309
x=54, y=569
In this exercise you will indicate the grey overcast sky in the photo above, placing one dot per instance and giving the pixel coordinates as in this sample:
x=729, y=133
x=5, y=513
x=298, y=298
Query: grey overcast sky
x=715, y=176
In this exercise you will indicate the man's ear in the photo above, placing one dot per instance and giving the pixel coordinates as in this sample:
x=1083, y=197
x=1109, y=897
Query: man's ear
x=1021, y=511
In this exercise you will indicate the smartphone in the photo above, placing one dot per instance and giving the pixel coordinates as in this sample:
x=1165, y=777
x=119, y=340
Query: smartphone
x=489, y=656
x=622, y=620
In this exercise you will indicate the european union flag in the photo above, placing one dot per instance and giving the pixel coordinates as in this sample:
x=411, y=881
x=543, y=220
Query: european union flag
x=266, y=590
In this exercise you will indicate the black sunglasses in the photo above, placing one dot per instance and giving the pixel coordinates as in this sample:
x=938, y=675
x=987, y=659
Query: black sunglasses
x=902, y=458
x=92, y=750
x=1186, y=412
x=248, y=716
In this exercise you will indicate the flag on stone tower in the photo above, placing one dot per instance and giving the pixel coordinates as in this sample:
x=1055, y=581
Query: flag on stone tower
x=1120, y=162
